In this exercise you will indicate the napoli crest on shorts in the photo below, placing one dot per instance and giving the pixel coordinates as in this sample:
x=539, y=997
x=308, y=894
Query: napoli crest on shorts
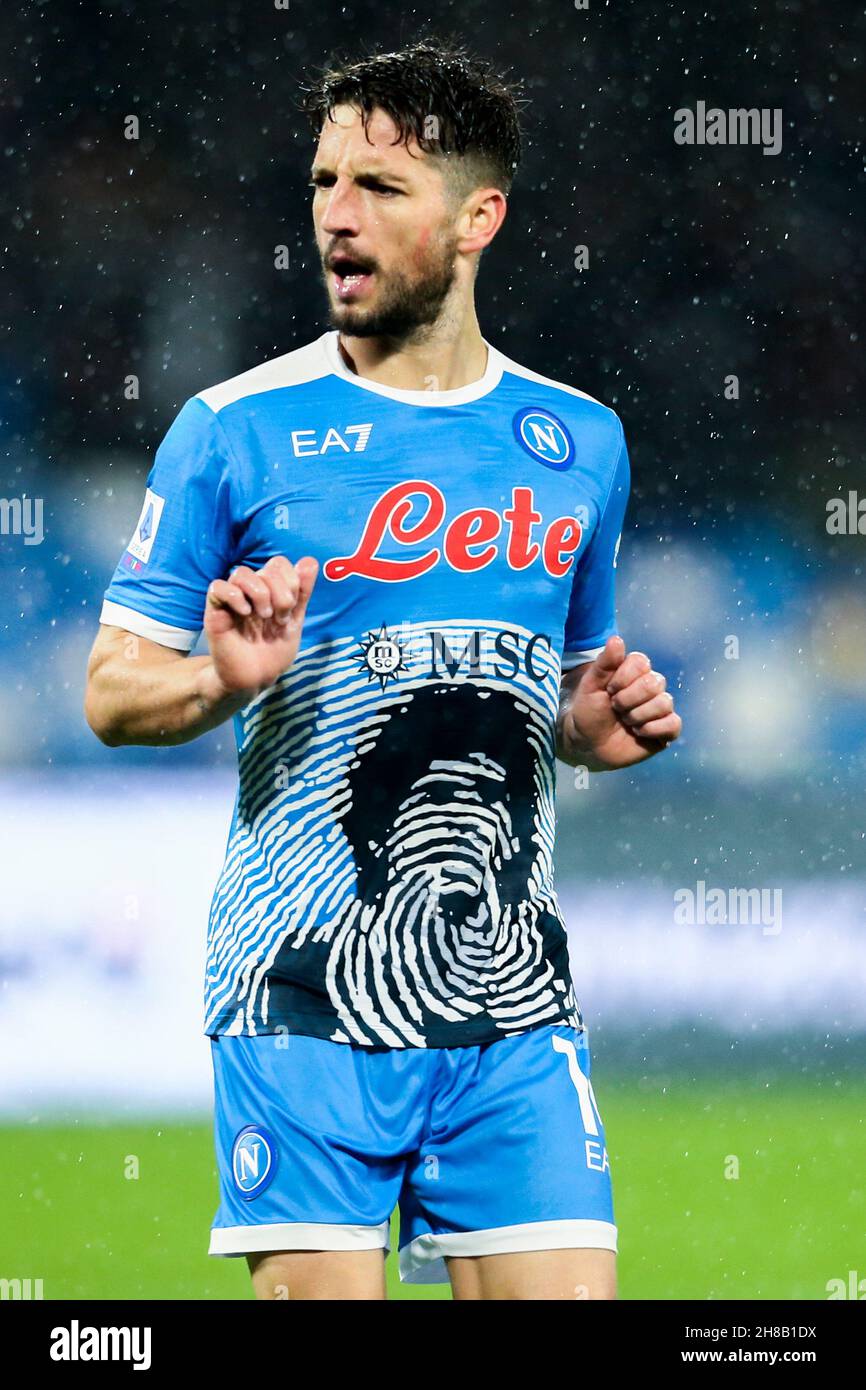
x=544, y=437
x=254, y=1161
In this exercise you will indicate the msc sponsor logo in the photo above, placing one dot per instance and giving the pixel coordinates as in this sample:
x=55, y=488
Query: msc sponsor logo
x=511, y=651
x=544, y=437
x=468, y=542
x=254, y=1161
x=383, y=655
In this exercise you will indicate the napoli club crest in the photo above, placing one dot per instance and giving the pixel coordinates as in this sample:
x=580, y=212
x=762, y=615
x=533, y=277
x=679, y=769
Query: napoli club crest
x=544, y=437
x=254, y=1161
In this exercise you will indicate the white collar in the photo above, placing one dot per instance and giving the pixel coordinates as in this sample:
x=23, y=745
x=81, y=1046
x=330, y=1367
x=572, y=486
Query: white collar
x=459, y=396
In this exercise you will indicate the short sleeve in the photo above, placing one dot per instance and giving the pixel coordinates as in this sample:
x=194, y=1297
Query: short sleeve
x=591, y=615
x=183, y=537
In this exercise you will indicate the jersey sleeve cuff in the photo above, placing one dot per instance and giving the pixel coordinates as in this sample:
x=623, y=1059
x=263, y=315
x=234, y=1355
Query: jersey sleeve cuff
x=577, y=658
x=117, y=615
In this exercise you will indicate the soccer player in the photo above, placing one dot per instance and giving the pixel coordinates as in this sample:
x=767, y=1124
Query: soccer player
x=401, y=547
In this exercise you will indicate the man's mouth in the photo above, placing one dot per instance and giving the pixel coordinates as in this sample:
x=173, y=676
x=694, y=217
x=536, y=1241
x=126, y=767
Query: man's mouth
x=351, y=280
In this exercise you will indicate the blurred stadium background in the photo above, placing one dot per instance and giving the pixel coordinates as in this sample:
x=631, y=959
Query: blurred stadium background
x=155, y=258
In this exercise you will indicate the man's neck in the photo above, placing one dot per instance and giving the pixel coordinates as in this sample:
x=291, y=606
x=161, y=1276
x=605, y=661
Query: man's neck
x=439, y=363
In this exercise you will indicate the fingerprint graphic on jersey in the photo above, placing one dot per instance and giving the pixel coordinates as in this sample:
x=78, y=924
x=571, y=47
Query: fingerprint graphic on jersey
x=443, y=824
x=412, y=902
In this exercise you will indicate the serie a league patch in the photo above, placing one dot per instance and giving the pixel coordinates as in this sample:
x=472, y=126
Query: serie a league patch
x=146, y=528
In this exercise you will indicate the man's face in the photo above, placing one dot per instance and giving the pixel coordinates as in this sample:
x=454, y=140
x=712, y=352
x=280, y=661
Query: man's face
x=383, y=227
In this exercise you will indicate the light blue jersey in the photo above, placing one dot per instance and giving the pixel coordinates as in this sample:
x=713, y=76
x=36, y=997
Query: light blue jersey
x=388, y=876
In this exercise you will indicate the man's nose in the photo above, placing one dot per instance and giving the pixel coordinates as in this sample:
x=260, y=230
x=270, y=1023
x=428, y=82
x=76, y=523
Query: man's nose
x=342, y=209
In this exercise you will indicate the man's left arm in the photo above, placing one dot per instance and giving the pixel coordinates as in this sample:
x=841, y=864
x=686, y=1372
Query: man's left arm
x=614, y=708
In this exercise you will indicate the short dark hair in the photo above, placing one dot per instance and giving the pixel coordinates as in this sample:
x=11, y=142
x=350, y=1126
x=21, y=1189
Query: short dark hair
x=476, y=111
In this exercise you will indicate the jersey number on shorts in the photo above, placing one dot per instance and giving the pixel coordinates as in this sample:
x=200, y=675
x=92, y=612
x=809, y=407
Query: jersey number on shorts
x=589, y=1112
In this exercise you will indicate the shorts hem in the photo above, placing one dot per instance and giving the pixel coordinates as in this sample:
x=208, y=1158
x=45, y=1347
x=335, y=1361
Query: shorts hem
x=296, y=1235
x=422, y=1261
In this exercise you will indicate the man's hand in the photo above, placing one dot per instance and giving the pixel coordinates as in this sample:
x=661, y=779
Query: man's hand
x=253, y=622
x=615, y=711
x=139, y=691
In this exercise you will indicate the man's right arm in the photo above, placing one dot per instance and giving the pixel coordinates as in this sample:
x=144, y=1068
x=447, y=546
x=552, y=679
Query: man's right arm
x=141, y=692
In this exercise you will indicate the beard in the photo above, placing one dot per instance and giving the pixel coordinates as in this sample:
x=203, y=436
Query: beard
x=403, y=305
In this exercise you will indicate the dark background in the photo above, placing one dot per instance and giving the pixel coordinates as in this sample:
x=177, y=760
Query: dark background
x=155, y=255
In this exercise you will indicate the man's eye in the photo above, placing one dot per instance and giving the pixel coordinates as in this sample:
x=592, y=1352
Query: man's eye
x=383, y=189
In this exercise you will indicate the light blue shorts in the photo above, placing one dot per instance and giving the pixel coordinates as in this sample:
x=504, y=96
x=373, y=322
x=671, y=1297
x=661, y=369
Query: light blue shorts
x=486, y=1150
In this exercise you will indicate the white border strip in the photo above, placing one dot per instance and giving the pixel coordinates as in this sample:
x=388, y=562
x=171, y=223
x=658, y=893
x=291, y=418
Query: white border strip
x=297, y=1235
x=572, y=659
x=179, y=638
x=422, y=1261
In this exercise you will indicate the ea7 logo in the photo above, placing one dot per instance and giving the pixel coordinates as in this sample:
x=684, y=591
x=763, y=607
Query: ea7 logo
x=305, y=443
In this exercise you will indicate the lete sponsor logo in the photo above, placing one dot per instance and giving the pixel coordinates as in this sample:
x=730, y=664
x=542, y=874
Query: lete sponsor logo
x=470, y=541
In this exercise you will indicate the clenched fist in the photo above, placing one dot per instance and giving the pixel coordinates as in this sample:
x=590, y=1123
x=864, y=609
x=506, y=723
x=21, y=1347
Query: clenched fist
x=615, y=711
